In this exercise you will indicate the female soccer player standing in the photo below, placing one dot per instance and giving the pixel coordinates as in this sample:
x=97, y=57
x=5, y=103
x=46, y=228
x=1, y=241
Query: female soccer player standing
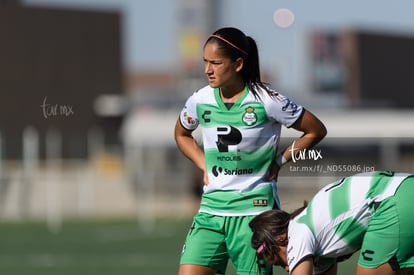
x=241, y=120
x=370, y=212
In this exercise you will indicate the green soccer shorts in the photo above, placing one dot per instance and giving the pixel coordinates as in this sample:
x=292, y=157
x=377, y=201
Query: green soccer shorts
x=390, y=234
x=213, y=240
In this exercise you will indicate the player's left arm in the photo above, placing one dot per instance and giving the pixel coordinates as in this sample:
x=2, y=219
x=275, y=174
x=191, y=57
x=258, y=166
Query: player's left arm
x=313, y=132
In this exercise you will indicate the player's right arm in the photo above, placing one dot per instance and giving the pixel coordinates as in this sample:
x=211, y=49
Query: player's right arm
x=305, y=267
x=189, y=147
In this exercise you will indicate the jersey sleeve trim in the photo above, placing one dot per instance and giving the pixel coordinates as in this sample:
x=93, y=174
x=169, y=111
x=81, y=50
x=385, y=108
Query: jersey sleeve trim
x=302, y=112
x=310, y=255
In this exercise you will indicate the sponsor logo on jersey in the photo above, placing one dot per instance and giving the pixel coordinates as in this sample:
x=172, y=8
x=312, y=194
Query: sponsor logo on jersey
x=190, y=120
x=291, y=107
x=249, y=117
x=229, y=158
x=217, y=170
x=228, y=138
x=366, y=254
x=205, y=117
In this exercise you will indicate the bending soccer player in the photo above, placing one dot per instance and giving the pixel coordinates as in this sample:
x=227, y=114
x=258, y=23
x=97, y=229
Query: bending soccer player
x=370, y=212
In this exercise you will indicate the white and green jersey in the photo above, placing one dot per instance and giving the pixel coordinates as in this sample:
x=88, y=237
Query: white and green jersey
x=239, y=145
x=335, y=221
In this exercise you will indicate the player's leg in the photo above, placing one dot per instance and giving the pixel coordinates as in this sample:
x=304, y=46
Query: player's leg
x=406, y=271
x=388, y=242
x=196, y=270
x=241, y=253
x=204, y=251
x=403, y=202
x=384, y=269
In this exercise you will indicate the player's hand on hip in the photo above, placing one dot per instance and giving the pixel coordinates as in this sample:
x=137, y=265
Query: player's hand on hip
x=205, y=178
x=273, y=172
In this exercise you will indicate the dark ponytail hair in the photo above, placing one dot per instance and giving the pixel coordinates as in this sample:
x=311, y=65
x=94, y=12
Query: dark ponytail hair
x=235, y=44
x=267, y=228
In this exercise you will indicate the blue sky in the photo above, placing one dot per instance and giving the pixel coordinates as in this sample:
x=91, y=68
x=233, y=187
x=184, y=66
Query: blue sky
x=150, y=28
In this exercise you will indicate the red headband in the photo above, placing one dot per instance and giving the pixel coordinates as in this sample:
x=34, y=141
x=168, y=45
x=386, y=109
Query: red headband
x=228, y=42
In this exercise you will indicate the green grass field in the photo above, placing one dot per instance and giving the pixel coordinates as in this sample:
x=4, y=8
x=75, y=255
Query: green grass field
x=118, y=247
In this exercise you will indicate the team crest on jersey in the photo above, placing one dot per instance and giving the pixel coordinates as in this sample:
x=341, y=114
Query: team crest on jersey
x=249, y=117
